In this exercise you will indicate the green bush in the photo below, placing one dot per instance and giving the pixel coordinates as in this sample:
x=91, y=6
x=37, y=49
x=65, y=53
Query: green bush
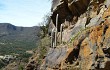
x=21, y=67
x=43, y=47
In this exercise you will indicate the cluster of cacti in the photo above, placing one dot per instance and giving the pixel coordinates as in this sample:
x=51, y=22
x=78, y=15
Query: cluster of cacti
x=54, y=34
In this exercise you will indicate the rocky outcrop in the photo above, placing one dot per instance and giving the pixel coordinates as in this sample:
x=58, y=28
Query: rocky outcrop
x=67, y=9
x=60, y=55
x=90, y=43
x=77, y=7
x=63, y=11
x=86, y=40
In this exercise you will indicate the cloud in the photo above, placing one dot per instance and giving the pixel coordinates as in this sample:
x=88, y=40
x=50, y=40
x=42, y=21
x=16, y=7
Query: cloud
x=24, y=12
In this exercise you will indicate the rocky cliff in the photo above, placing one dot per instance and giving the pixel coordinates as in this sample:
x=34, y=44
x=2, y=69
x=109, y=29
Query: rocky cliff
x=85, y=36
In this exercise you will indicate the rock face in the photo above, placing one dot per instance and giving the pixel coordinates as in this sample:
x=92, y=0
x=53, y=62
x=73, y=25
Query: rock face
x=60, y=55
x=77, y=7
x=67, y=9
x=87, y=46
x=62, y=10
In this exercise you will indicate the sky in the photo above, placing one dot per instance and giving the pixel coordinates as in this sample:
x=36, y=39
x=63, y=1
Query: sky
x=25, y=13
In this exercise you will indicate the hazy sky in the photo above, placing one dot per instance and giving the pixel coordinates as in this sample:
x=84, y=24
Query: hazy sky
x=23, y=12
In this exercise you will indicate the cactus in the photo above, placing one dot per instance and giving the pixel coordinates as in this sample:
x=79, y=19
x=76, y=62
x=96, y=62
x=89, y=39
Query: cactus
x=54, y=34
x=61, y=28
x=56, y=30
x=53, y=37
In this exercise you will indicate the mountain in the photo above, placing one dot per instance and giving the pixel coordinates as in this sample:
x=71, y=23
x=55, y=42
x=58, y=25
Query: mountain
x=11, y=32
x=14, y=39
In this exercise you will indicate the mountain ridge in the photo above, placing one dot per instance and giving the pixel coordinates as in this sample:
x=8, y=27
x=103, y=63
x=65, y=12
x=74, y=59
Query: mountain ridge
x=9, y=31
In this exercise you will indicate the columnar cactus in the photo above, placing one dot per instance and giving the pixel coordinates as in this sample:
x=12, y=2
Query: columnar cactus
x=61, y=29
x=56, y=30
x=52, y=37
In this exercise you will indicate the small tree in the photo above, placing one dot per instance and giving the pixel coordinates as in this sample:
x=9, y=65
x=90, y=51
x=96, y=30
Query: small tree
x=44, y=25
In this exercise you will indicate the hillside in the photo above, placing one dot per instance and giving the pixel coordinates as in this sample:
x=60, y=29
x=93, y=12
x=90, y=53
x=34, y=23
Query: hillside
x=80, y=37
x=14, y=39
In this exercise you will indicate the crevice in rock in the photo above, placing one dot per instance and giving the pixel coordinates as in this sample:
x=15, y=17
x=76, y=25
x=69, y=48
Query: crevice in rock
x=105, y=29
x=107, y=52
x=73, y=56
x=88, y=21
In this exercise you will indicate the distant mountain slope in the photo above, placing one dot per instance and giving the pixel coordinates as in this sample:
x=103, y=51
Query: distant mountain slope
x=11, y=32
x=14, y=39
